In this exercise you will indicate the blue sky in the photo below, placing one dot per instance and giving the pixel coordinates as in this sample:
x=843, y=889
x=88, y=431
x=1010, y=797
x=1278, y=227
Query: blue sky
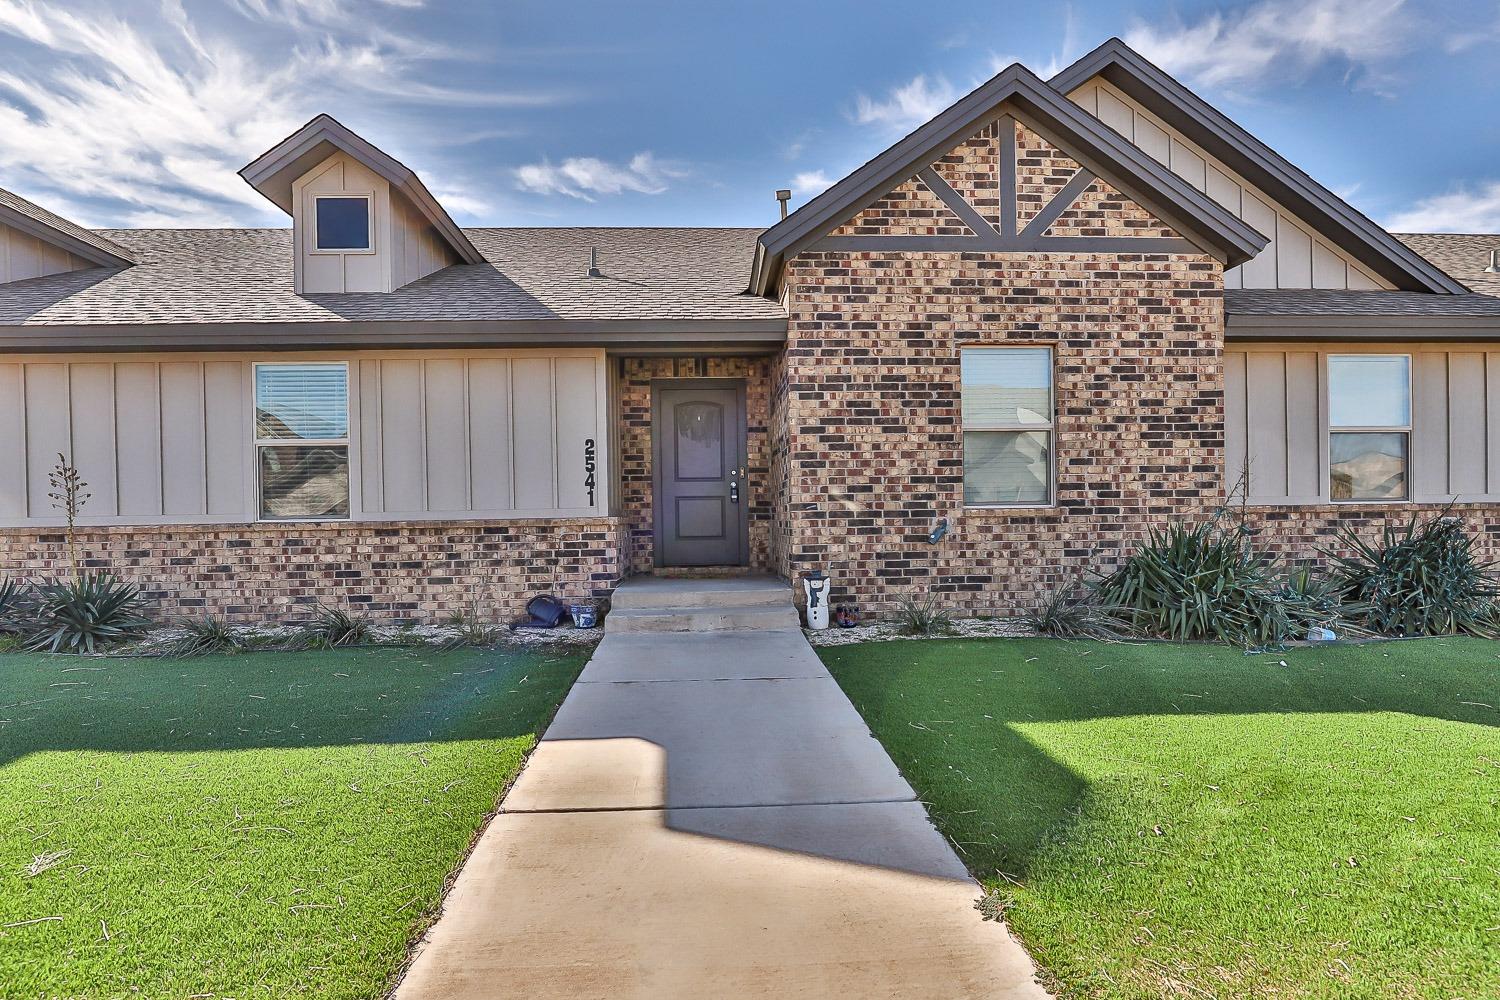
x=691, y=113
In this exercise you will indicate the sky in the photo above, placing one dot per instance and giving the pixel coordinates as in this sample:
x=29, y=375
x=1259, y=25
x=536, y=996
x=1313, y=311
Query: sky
x=138, y=113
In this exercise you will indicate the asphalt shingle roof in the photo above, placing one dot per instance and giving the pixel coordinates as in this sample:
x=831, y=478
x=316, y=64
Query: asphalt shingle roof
x=1463, y=255
x=245, y=276
x=1335, y=302
x=35, y=212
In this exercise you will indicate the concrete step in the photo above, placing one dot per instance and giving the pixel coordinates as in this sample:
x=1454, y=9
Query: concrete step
x=775, y=616
x=722, y=592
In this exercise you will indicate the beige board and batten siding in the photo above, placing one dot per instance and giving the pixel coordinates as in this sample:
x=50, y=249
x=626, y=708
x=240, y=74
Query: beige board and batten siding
x=473, y=435
x=404, y=245
x=23, y=256
x=1295, y=257
x=1276, y=417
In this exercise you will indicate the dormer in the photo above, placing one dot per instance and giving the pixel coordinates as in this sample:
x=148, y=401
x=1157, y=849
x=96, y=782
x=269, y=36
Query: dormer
x=361, y=220
x=35, y=243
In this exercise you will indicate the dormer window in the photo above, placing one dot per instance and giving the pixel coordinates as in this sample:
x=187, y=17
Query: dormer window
x=343, y=224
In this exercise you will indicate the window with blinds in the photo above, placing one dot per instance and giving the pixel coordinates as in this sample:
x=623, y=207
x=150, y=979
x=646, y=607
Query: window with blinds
x=1369, y=426
x=302, y=440
x=1006, y=400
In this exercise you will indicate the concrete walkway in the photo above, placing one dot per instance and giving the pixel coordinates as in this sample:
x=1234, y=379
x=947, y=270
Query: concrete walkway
x=708, y=816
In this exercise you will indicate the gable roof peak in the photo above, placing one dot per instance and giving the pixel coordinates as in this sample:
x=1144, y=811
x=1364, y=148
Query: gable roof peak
x=274, y=171
x=29, y=217
x=1019, y=92
x=1164, y=96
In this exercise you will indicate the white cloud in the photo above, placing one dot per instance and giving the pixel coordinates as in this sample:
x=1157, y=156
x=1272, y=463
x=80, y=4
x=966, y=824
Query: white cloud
x=906, y=106
x=810, y=182
x=1271, y=40
x=587, y=176
x=1458, y=211
x=144, y=119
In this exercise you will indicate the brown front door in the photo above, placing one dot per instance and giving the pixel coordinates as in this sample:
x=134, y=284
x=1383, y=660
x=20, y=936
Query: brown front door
x=701, y=500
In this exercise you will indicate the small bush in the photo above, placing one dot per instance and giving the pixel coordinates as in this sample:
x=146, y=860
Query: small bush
x=17, y=606
x=1064, y=614
x=202, y=636
x=85, y=614
x=1423, y=579
x=335, y=627
x=922, y=615
x=1205, y=581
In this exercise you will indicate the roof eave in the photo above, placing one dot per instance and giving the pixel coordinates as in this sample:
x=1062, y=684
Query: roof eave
x=1371, y=327
x=66, y=241
x=1179, y=107
x=273, y=172
x=616, y=334
x=1187, y=210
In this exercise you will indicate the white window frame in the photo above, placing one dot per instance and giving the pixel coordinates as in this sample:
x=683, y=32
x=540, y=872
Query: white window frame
x=1408, y=429
x=258, y=443
x=1050, y=427
x=369, y=198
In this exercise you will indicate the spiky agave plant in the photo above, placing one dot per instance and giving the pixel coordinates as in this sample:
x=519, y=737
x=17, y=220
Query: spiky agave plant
x=1422, y=578
x=85, y=614
x=1205, y=581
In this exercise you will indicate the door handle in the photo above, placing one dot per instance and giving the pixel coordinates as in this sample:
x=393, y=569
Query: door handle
x=734, y=491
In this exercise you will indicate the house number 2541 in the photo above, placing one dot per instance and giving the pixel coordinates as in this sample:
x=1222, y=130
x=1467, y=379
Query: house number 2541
x=590, y=466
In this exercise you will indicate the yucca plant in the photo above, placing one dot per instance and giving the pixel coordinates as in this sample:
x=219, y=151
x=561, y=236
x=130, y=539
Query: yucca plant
x=85, y=614
x=1073, y=614
x=920, y=615
x=334, y=627
x=1420, y=579
x=1205, y=581
x=202, y=636
x=17, y=604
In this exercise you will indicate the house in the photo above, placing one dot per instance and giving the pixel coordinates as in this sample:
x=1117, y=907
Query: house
x=1054, y=315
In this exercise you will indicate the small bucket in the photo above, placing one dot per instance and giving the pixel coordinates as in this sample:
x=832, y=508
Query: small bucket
x=583, y=615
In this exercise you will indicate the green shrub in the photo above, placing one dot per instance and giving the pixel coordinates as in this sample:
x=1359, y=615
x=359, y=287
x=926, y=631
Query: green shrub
x=85, y=614
x=17, y=605
x=334, y=627
x=1065, y=614
x=202, y=636
x=922, y=615
x=1205, y=581
x=1423, y=579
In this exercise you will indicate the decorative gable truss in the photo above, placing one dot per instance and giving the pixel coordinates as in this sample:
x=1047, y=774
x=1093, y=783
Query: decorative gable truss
x=1012, y=166
x=1006, y=189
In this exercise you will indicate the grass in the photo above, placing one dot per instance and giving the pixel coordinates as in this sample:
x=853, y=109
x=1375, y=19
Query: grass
x=1191, y=821
x=265, y=824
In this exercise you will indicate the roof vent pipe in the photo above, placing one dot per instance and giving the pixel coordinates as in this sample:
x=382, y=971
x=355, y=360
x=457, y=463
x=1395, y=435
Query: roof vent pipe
x=594, y=271
x=1494, y=267
x=783, y=196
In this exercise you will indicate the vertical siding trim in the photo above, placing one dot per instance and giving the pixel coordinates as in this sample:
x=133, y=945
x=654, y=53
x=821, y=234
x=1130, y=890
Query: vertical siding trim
x=203, y=407
x=422, y=433
x=161, y=444
x=468, y=444
x=510, y=416
x=556, y=434
x=25, y=443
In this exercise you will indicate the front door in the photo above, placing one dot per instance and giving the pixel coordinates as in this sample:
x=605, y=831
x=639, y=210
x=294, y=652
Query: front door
x=701, y=500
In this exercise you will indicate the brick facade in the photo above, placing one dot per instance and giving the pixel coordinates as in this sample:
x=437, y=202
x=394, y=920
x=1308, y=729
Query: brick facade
x=635, y=463
x=263, y=572
x=875, y=447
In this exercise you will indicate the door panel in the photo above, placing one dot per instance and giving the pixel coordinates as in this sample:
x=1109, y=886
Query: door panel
x=701, y=497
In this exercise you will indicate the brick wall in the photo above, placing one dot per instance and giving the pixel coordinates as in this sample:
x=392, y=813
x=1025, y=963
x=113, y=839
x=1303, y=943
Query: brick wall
x=417, y=570
x=635, y=462
x=874, y=450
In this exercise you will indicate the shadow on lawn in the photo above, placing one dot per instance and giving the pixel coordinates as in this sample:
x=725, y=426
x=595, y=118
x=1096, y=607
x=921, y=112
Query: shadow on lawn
x=258, y=700
x=922, y=703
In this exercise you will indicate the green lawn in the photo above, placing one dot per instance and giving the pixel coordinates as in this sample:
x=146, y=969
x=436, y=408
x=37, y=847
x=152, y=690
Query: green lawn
x=262, y=825
x=1192, y=821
